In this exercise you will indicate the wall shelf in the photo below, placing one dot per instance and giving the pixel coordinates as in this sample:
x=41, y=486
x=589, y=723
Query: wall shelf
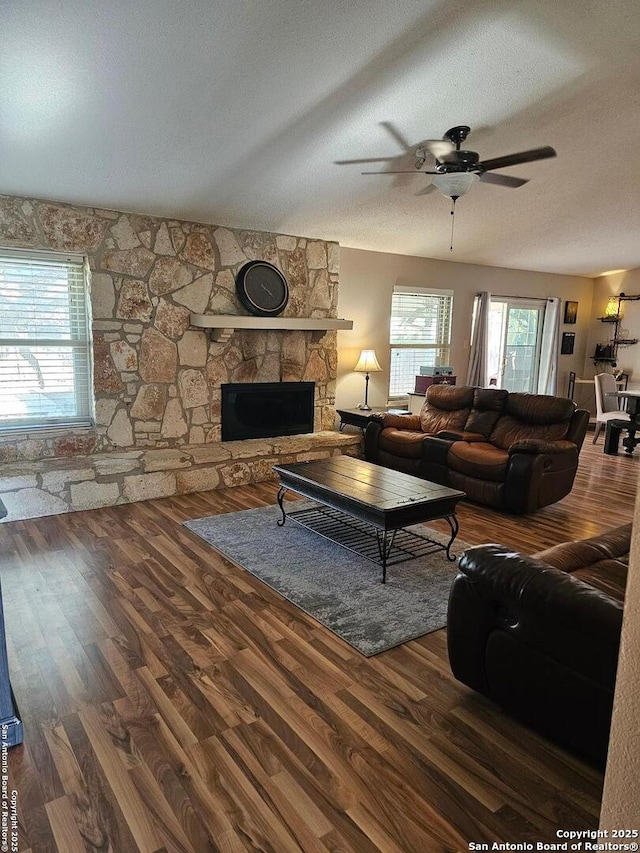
x=615, y=341
x=222, y=326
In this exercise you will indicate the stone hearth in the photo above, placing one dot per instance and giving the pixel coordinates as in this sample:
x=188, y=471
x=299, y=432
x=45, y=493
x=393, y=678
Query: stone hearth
x=51, y=486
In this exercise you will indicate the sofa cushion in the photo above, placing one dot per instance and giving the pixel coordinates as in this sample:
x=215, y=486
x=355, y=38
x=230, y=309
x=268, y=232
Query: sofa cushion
x=488, y=405
x=539, y=408
x=609, y=576
x=536, y=416
x=508, y=430
x=478, y=459
x=401, y=442
x=446, y=407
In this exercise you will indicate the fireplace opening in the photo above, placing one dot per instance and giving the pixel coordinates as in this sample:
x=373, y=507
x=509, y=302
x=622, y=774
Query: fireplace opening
x=266, y=409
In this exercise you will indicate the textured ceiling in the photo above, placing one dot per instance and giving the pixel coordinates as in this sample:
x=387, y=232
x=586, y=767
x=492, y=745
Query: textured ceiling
x=234, y=112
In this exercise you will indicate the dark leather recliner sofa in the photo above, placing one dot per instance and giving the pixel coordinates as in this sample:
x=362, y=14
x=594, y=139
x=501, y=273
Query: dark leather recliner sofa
x=540, y=635
x=507, y=450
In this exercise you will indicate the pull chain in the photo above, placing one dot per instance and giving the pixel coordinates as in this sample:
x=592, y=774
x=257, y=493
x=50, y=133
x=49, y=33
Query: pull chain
x=454, y=199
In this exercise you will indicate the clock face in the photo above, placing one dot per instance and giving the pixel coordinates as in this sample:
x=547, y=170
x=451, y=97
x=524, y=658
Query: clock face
x=262, y=288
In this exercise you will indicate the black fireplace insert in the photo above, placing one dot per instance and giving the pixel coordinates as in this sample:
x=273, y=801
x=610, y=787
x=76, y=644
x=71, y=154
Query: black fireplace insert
x=266, y=409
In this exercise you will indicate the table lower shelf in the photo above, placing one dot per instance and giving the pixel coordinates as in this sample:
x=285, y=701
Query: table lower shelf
x=385, y=548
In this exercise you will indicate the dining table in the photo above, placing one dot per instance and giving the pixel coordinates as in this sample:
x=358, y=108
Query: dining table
x=615, y=427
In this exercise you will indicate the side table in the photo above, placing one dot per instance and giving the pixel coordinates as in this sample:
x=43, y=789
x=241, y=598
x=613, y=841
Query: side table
x=360, y=417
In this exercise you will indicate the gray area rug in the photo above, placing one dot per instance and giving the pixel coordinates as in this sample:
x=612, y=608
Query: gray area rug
x=340, y=589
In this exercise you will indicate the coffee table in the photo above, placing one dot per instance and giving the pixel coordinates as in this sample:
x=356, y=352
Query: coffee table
x=365, y=507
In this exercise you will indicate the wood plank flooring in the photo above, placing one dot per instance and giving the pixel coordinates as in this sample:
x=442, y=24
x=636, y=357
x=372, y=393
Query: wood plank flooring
x=173, y=704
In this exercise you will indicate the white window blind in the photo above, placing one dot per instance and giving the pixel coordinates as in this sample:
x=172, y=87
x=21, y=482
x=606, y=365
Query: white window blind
x=420, y=334
x=45, y=358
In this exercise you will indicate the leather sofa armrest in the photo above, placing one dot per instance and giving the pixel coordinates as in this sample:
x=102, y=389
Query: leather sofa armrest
x=385, y=419
x=578, y=427
x=535, y=478
x=435, y=451
x=454, y=435
x=538, y=445
x=541, y=607
x=533, y=587
x=382, y=420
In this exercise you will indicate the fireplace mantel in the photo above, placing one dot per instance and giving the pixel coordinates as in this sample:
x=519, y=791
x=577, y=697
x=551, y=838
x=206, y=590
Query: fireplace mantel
x=222, y=326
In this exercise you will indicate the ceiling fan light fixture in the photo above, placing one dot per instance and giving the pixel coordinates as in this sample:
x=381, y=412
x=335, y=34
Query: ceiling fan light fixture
x=455, y=184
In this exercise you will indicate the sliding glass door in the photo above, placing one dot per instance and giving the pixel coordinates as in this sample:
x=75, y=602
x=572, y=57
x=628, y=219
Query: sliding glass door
x=515, y=337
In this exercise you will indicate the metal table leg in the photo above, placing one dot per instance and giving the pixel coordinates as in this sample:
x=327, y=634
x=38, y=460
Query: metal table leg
x=455, y=527
x=385, y=544
x=281, y=492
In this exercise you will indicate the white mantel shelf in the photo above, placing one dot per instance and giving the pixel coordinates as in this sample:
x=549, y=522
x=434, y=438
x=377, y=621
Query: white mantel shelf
x=222, y=326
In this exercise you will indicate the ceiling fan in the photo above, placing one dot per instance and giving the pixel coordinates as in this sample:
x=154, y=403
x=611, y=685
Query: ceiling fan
x=457, y=170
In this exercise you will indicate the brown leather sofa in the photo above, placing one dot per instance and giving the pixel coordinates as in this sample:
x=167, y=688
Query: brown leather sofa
x=507, y=450
x=540, y=635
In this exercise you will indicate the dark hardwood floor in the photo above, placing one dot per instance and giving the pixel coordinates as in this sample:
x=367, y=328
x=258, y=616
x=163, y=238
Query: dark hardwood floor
x=173, y=703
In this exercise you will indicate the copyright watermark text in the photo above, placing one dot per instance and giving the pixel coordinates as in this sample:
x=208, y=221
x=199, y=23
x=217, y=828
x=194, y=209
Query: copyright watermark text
x=8, y=800
x=587, y=840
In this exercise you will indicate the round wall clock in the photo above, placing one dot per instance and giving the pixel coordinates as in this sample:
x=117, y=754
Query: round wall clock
x=262, y=288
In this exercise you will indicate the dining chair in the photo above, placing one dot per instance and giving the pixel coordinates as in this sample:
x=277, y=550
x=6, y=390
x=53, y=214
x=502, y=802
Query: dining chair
x=607, y=408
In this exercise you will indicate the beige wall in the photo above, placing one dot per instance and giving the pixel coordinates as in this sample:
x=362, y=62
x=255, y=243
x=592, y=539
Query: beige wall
x=628, y=356
x=367, y=280
x=621, y=796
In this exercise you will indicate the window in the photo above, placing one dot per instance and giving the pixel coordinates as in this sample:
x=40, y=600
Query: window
x=45, y=357
x=515, y=339
x=420, y=334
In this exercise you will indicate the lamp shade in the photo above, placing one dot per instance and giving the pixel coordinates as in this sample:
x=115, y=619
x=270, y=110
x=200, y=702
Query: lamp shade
x=455, y=184
x=367, y=363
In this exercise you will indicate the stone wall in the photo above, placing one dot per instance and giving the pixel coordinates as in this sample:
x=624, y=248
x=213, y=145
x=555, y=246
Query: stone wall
x=156, y=380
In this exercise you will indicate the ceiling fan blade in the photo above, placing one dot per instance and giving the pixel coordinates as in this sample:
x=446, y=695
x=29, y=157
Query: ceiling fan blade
x=426, y=190
x=395, y=133
x=400, y=172
x=364, y=160
x=439, y=148
x=520, y=157
x=503, y=180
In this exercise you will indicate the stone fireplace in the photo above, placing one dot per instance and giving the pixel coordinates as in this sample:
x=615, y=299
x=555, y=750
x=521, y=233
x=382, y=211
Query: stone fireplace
x=157, y=379
x=266, y=409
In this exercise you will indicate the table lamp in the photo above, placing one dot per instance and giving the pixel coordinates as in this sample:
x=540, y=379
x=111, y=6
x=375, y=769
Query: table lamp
x=367, y=363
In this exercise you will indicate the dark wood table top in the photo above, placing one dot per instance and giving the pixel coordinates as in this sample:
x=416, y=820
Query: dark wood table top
x=383, y=497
